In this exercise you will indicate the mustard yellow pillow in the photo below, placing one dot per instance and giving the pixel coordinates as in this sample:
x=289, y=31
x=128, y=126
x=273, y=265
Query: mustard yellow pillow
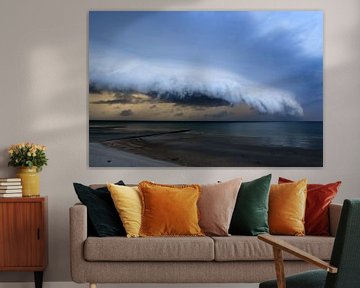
x=169, y=210
x=127, y=201
x=287, y=204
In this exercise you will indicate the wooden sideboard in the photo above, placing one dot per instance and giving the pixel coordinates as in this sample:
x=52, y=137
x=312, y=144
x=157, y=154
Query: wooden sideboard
x=23, y=235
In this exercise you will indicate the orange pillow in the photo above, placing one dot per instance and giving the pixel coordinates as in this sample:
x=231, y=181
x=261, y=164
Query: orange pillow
x=318, y=200
x=287, y=204
x=169, y=210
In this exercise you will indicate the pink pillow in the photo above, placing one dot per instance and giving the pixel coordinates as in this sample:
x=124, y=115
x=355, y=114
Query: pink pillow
x=216, y=205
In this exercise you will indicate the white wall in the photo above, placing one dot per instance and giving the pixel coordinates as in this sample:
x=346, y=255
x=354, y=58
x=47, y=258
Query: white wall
x=43, y=90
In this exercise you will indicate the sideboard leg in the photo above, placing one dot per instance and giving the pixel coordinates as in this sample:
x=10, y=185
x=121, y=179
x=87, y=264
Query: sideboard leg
x=92, y=285
x=38, y=279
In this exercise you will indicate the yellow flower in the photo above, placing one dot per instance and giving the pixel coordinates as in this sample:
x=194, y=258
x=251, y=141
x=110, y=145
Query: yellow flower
x=41, y=147
x=28, y=154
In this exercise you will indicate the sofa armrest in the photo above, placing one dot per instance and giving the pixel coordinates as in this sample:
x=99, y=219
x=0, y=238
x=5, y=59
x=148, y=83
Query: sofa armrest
x=334, y=217
x=78, y=235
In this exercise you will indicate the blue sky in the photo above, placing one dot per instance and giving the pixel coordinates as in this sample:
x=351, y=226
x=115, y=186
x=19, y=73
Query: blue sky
x=268, y=62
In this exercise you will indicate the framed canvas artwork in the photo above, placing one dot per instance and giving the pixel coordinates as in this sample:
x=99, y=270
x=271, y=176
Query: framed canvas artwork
x=205, y=88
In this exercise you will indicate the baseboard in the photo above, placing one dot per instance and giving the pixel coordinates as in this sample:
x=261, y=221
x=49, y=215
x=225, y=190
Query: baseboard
x=74, y=285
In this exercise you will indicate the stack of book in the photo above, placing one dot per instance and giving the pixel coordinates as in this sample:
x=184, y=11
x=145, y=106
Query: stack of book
x=10, y=187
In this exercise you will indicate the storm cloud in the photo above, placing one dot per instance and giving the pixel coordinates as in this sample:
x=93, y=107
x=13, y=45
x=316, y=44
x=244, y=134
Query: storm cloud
x=127, y=112
x=270, y=61
x=220, y=88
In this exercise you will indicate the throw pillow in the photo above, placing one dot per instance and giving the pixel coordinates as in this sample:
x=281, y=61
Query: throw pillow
x=250, y=215
x=169, y=210
x=102, y=215
x=319, y=197
x=287, y=208
x=216, y=206
x=127, y=201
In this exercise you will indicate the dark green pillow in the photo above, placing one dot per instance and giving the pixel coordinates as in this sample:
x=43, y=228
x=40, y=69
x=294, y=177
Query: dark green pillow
x=250, y=216
x=102, y=215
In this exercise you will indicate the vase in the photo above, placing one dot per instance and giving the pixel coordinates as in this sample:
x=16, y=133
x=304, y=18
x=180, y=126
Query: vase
x=30, y=181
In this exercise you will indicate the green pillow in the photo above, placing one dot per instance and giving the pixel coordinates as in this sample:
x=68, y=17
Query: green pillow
x=250, y=216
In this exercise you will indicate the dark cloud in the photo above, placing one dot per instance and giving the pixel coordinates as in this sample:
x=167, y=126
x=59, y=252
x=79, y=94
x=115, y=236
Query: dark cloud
x=192, y=99
x=179, y=114
x=124, y=98
x=127, y=112
x=195, y=99
x=93, y=88
x=185, y=98
x=110, y=102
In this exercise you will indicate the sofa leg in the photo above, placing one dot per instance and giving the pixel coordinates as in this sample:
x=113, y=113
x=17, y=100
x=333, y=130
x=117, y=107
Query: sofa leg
x=92, y=285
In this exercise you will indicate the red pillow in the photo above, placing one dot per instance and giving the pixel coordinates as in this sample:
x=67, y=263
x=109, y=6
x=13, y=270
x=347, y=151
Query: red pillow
x=319, y=197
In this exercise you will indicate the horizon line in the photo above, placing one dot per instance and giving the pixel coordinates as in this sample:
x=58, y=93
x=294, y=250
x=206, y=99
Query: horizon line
x=207, y=120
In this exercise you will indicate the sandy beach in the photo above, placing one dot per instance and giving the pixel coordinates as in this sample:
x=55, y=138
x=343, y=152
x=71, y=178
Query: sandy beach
x=191, y=149
x=105, y=156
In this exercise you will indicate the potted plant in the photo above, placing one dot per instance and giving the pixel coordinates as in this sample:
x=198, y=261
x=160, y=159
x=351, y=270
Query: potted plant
x=30, y=158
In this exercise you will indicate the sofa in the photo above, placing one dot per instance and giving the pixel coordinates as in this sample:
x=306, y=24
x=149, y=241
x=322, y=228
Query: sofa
x=234, y=259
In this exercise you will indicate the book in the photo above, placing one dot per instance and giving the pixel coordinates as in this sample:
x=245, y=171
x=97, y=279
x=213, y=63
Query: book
x=10, y=187
x=2, y=195
x=5, y=191
x=10, y=183
x=10, y=180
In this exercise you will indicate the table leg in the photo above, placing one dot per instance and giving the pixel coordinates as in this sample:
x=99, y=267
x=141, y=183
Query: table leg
x=38, y=279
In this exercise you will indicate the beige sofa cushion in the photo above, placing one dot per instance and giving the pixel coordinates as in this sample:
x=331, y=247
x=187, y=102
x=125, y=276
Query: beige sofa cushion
x=243, y=248
x=149, y=249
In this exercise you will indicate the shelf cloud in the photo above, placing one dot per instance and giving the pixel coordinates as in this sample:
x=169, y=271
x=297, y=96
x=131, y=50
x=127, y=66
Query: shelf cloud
x=198, y=86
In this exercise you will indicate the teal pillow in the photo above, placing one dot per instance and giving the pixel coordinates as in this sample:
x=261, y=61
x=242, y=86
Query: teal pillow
x=250, y=216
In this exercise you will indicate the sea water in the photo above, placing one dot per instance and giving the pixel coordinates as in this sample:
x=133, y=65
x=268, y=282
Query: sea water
x=290, y=134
